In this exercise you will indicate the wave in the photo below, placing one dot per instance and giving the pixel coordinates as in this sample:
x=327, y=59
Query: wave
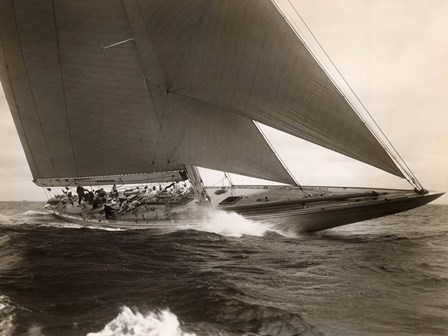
x=132, y=322
x=66, y=225
x=9, y=257
x=7, y=326
x=231, y=224
x=5, y=219
x=27, y=217
x=34, y=213
x=4, y=240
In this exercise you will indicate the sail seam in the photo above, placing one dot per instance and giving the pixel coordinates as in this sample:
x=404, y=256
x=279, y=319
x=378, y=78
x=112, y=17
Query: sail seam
x=63, y=87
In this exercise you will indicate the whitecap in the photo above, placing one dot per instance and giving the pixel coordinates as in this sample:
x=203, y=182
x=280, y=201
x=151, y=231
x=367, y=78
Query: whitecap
x=131, y=322
x=4, y=219
x=231, y=224
x=67, y=225
x=7, y=326
x=34, y=213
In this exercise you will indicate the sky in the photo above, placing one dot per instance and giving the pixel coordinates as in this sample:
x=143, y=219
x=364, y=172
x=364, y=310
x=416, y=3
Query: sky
x=393, y=53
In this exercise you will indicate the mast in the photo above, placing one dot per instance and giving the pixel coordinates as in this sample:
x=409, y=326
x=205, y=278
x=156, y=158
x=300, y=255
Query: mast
x=198, y=186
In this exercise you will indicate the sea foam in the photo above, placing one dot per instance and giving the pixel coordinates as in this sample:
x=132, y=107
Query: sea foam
x=6, y=317
x=34, y=213
x=231, y=224
x=131, y=322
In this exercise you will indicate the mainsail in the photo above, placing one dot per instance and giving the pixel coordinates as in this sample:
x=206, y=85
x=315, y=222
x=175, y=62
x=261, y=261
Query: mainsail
x=116, y=87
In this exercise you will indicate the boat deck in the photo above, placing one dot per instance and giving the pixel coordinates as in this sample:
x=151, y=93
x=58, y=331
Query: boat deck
x=310, y=209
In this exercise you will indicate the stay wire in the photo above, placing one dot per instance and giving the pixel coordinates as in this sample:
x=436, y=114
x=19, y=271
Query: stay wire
x=302, y=38
x=401, y=161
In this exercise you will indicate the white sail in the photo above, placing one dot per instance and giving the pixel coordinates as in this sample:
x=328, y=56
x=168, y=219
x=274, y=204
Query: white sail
x=88, y=100
x=109, y=88
x=194, y=132
x=244, y=56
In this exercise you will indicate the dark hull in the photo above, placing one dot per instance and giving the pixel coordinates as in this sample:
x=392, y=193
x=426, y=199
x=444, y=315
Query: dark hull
x=287, y=208
x=330, y=214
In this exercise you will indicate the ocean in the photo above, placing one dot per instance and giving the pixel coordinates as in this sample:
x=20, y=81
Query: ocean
x=225, y=276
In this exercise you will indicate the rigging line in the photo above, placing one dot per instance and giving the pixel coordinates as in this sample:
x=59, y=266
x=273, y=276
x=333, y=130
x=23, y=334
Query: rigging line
x=33, y=158
x=408, y=171
x=354, y=93
x=316, y=57
x=227, y=176
x=277, y=155
x=63, y=87
x=351, y=89
x=29, y=83
x=47, y=193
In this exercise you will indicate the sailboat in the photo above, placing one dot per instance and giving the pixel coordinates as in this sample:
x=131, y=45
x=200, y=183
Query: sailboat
x=130, y=92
